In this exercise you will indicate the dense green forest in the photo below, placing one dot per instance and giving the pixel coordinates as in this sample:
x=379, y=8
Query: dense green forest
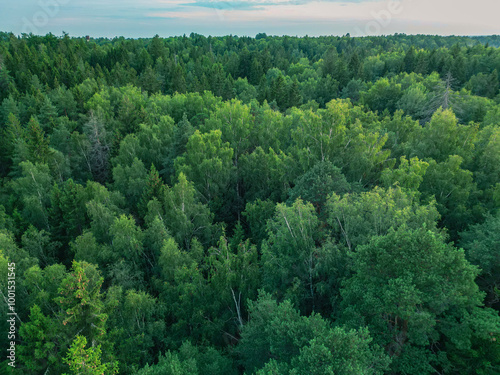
x=235, y=205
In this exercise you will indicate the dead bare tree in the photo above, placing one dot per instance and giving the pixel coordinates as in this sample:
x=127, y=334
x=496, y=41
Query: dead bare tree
x=99, y=148
x=442, y=98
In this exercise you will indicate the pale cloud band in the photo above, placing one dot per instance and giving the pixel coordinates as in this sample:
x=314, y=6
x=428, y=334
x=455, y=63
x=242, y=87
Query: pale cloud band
x=248, y=17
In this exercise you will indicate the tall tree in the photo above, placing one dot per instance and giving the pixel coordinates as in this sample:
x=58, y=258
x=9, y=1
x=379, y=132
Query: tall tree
x=98, y=152
x=208, y=163
x=415, y=290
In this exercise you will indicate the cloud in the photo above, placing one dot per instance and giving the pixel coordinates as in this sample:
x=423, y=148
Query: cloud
x=296, y=17
x=271, y=11
x=227, y=5
x=259, y=4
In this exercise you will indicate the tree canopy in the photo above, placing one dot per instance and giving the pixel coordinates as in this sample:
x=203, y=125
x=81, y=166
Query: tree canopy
x=235, y=205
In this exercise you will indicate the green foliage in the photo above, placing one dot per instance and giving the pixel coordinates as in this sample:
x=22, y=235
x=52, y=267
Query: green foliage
x=486, y=162
x=152, y=142
x=125, y=256
x=235, y=275
x=409, y=174
x=443, y=137
x=353, y=90
x=277, y=340
x=355, y=218
x=86, y=248
x=149, y=188
x=189, y=360
x=414, y=100
x=257, y=214
x=208, y=164
x=37, y=144
x=42, y=286
x=185, y=217
x=318, y=183
x=39, y=352
x=81, y=303
x=481, y=243
x=321, y=138
x=102, y=209
x=415, y=290
x=33, y=189
x=189, y=299
x=140, y=329
x=66, y=304
x=87, y=361
x=451, y=186
x=383, y=95
x=67, y=214
x=265, y=175
x=129, y=180
x=289, y=256
x=38, y=245
x=154, y=189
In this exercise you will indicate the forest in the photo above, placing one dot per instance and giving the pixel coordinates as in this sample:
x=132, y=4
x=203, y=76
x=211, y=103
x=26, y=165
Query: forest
x=260, y=205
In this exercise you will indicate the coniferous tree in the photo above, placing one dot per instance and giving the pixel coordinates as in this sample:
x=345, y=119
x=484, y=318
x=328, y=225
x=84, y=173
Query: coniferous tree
x=37, y=144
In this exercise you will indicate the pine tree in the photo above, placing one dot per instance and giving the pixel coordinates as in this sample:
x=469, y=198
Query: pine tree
x=149, y=81
x=341, y=73
x=154, y=189
x=278, y=92
x=12, y=141
x=178, y=80
x=262, y=92
x=329, y=62
x=83, y=361
x=5, y=82
x=67, y=213
x=493, y=84
x=217, y=77
x=38, y=145
x=294, y=97
x=81, y=302
x=458, y=70
x=354, y=66
x=409, y=60
x=47, y=115
x=38, y=352
x=157, y=48
x=256, y=72
x=9, y=105
x=182, y=132
x=228, y=90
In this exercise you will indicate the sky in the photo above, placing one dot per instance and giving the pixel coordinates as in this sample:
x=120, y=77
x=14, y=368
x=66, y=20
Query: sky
x=146, y=18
